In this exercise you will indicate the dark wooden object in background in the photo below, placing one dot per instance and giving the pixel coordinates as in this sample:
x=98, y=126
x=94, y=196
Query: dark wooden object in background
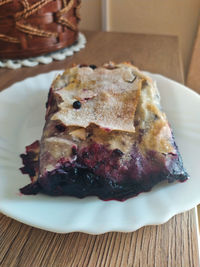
x=33, y=27
x=171, y=244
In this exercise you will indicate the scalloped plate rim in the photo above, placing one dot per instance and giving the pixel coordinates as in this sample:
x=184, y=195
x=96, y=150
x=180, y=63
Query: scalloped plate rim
x=122, y=228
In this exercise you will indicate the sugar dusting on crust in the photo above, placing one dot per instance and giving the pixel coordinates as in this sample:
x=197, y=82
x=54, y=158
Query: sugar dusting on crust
x=108, y=97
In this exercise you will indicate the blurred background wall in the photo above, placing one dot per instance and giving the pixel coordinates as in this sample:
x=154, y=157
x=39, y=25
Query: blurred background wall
x=173, y=17
x=91, y=15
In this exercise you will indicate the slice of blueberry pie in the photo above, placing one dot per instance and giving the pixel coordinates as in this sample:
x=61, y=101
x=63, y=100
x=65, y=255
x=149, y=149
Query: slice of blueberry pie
x=105, y=135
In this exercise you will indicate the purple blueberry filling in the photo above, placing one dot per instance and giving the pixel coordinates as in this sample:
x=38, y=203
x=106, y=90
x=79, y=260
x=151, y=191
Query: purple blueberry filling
x=30, y=160
x=97, y=172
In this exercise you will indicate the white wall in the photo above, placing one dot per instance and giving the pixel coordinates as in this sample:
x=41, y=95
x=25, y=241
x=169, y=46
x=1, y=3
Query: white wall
x=173, y=17
x=91, y=15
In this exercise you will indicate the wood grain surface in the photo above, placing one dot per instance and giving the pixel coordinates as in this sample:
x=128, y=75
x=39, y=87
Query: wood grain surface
x=172, y=244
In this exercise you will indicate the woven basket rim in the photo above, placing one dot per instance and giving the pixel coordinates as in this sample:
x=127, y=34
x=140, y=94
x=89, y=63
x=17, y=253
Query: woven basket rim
x=39, y=27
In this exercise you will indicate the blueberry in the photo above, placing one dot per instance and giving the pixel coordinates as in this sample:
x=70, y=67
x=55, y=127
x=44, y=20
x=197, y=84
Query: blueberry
x=77, y=104
x=61, y=172
x=60, y=127
x=156, y=117
x=85, y=155
x=118, y=152
x=92, y=66
x=75, y=171
x=89, y=178
x=74, y=150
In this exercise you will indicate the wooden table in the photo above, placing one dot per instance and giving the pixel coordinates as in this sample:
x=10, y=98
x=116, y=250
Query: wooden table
x=172, y=244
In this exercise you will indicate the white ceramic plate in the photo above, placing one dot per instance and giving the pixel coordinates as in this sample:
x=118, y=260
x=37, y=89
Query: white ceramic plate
x=22, y=108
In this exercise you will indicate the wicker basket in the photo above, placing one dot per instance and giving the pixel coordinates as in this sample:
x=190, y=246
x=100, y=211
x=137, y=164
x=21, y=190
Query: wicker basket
x=33, y=27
